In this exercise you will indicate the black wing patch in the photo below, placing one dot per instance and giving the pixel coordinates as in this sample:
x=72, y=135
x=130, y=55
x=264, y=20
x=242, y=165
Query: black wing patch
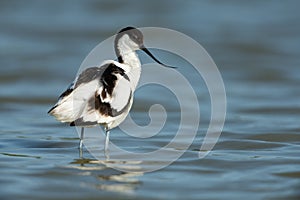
x=109, y=77
x=80, y=122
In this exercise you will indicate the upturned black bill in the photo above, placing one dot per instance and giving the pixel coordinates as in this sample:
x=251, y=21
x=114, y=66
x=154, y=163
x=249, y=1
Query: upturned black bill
x=143, y=48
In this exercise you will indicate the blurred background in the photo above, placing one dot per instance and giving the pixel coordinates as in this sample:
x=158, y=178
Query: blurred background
x=255, y=45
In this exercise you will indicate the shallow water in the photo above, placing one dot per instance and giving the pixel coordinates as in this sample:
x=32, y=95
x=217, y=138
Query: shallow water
x=255, y=45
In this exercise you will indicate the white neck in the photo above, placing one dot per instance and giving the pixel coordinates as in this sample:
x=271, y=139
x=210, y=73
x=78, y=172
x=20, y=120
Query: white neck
x=131, y=60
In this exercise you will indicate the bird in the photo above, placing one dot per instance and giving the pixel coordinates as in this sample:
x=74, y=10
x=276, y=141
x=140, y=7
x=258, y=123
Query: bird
x=103, y=95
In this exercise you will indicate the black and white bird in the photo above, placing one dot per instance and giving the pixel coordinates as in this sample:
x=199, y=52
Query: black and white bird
x=103, y=95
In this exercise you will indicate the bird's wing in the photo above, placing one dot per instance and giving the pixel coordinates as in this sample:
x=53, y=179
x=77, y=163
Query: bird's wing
x=98, y=95
x=110, y=100
x=72, y=101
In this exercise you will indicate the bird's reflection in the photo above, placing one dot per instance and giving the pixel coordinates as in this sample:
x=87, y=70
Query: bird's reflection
x=109, y=179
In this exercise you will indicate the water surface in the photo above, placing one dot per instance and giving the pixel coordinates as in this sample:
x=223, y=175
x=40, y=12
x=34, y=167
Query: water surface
x=255, y=44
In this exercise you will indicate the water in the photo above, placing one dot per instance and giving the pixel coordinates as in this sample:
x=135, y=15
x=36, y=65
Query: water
x=255, y=44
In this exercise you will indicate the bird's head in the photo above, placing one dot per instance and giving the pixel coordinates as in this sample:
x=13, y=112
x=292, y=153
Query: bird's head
x=133, y=39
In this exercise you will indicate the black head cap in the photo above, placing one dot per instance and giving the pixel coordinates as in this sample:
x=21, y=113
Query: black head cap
x=133, y=33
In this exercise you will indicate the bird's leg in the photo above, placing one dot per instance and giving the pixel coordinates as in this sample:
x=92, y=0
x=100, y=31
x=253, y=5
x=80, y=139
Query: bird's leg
x=106, y=139
x=106, y=152
x=81, y=143
x=81, y=138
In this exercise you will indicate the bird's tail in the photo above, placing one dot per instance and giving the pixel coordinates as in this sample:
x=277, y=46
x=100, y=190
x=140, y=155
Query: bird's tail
x=67, y=110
